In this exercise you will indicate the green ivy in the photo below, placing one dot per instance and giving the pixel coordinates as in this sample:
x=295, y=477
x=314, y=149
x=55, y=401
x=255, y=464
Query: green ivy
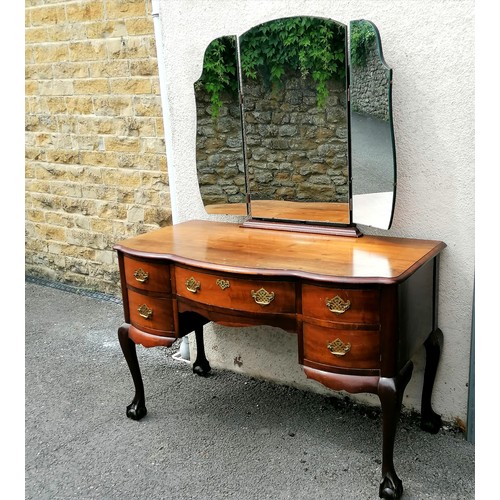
x=362, y=39
x=219, y=71
x=312, y=46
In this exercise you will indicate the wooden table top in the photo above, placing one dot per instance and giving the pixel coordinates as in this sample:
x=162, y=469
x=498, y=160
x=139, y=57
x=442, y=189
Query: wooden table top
x=227, y=247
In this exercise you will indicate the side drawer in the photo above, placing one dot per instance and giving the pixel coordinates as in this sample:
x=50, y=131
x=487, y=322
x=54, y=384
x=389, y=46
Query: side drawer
x=342, y=305
x=147, y=275
x=341, y=347
x=151, y=314
x=235, y=293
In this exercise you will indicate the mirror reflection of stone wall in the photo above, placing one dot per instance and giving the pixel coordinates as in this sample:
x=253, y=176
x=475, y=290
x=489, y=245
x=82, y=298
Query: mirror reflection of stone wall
x=296, y=143
x=219, y=150
x=370, y=113
x=372, y=143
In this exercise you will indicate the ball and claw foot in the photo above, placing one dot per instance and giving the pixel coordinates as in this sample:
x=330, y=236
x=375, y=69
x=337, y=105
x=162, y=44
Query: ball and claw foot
x=391, y=487
x=201, y=368
x=431, y=422
x=136, y=411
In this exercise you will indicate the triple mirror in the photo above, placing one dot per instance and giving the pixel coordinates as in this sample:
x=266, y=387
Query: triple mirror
x=294, y=125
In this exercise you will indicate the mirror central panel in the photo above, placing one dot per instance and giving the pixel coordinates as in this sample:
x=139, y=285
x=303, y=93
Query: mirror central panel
x=295, y=119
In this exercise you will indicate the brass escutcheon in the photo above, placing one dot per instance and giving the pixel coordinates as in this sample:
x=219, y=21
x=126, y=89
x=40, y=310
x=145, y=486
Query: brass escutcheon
x=145, y=311
x=192, y=285
x=263, y=297
x=223, y=284
x=338, y=348
x=337, y=305
x=141, y=275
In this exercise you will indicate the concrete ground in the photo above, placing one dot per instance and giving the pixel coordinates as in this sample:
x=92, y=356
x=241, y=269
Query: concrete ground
x=221, y=437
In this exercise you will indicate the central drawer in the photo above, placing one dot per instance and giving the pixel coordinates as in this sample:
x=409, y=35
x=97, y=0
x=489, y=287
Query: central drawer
x=252, y=295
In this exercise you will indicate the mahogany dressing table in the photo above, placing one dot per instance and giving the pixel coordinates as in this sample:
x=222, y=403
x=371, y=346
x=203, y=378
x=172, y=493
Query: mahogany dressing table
x=361, y=306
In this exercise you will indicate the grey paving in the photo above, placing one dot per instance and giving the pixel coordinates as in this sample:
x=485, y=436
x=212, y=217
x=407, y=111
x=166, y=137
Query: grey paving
x=223, y=437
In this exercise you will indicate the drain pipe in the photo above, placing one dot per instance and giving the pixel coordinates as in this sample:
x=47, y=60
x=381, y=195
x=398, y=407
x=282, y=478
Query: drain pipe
x=183, y=353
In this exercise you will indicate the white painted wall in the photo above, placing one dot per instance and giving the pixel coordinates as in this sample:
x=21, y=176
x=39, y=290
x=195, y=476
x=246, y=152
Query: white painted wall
x=430, y=46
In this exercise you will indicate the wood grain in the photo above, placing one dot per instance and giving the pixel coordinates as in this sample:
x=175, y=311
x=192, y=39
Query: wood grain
x=227, y=247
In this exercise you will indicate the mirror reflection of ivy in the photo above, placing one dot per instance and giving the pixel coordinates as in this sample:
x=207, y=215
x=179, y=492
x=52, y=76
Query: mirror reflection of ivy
x=313, y=47
x=362, y=42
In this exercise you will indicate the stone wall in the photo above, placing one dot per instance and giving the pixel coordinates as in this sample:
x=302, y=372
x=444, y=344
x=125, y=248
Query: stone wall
x=370, y=87
x=296, y=150
x=95, y=152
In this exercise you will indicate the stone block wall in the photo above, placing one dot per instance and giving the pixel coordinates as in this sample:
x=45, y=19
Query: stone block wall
x=96, y=167
x=296, y=151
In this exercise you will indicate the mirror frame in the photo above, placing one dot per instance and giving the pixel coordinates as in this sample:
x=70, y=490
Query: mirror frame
x=301, y=225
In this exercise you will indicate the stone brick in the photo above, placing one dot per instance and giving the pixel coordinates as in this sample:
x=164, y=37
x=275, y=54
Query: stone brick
x=62, y=156
x=116, y=68
x=56, y=104
x=84, y=11
x=111, y=211
x=50, y=52
x=99, y=158
x=35, y=215
x=130, y=85
x=67, y=190
x=140, y=26
x=80, y=105
x=143, y=67
x=99, y=192
x=71, y=70
x=124, y=179
x=122, y=9
x=91, y=86
x=99, y=225
x=47, y=15
x=147, y=105
x=66, y=32
x=59, y=219
x=34, y=35
x=113, y=105
x=55, y=87
x=122, y=144
x=87, y=50
x=105, y=29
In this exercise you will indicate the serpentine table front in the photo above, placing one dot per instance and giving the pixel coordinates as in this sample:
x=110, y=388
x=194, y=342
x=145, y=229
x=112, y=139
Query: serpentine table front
x=361, y=307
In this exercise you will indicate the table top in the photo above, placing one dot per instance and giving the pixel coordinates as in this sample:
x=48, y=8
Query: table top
x=228, y=247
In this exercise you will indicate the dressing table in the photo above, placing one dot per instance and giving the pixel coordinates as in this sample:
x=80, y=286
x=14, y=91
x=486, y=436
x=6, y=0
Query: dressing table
x=361, y=306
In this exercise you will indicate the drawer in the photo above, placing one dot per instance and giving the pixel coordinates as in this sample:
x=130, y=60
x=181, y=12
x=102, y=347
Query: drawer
x=342, y=305
x=151, y=314
x=147, y=275
x=341, y=347
x=235, y=293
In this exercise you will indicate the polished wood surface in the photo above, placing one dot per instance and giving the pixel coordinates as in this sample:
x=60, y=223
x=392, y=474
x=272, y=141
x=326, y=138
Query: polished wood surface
x=228, y=247
x=287, y=210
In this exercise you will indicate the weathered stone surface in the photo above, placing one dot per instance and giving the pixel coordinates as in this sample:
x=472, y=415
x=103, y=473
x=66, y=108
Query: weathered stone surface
x=96, y=166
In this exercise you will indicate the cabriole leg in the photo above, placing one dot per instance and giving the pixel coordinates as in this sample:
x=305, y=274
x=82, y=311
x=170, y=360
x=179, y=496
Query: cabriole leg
x=137, y=408
x=201, y=366
x=430, y=420
x=390, y=392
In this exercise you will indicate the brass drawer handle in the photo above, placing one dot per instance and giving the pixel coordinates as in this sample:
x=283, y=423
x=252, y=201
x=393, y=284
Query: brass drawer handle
x=338, y=348
x=192, y=285
x=337, y=305
x=145, y=311
x=223, y=284
x=141, y=275
x=263, y=297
